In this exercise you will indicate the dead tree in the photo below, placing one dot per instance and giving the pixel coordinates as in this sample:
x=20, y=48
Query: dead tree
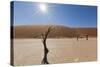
x=77, y=37
x=44, y=37
x=86, y=36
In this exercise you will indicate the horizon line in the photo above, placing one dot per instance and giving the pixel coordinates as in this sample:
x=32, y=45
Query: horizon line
x=56, y=25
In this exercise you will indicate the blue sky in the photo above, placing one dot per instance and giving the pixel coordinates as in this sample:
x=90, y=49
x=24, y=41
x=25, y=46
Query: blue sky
x=29, y=13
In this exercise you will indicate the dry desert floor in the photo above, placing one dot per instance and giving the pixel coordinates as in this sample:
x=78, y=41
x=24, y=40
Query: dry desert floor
x=63, y=50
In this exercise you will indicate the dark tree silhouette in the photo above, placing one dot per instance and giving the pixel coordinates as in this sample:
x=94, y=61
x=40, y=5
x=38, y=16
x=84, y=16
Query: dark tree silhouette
x=80, y=36
x=77, y=37
x=86, y=36
x=44, y=37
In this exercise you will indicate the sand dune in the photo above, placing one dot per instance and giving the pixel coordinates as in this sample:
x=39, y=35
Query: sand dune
x=35, y=31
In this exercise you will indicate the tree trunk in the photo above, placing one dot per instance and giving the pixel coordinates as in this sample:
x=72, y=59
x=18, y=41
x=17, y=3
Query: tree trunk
x=45, y=61
x=44, y=37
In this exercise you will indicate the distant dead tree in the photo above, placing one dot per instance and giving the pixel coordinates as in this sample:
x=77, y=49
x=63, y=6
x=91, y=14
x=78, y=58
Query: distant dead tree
x=82, y=36
x=86, y=36
x=44, y=38
x=77, y=37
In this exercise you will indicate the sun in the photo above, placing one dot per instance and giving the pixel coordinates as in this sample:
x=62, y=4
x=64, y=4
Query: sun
x=43, y=7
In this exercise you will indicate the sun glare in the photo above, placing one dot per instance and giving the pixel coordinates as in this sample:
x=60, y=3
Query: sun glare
x=43, y=7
